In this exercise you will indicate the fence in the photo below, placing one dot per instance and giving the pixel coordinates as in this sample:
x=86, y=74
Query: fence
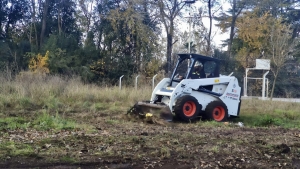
x=136, y=81
x=286, y=88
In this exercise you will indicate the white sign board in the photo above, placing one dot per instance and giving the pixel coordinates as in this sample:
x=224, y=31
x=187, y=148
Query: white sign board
x=263, y=64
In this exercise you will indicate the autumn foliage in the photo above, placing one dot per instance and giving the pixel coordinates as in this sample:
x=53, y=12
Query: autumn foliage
x=39, y=64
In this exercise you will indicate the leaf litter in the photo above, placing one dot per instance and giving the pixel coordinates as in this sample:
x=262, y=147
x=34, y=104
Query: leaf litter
x=125, y=142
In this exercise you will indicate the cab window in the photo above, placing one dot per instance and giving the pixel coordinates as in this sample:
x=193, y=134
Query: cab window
x=209, y=68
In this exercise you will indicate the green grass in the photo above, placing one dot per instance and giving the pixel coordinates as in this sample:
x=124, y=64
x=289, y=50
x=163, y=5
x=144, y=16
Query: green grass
x=68, y=159
x=95, y=107
x=13, y=123
x=52, y=103
x=25, y=102
x=42, y=121
x=111, y=121
x=11, y=148
x=46, y=121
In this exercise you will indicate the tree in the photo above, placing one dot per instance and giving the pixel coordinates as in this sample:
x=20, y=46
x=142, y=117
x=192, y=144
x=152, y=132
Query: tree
x=169, y=10
x=46, y=14
x=85, y=14
x=125, y=36
x=33, y=25
x=3, y=16
x=265, y=36
x=14, y=16
x=288, y=10
x=229, y=21
x=134, y=38
x=199, y=34
x=211, y=4
x=253, y=32
x=63, y=17
x=281, y=47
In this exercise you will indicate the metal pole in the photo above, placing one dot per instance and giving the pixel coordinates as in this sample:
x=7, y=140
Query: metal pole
x=136, y=81
x=245, y=91
x=264, y=85
x=244, y=85
x=153, y=81
x=267, y=87
x=189, y=34
x=120, y=83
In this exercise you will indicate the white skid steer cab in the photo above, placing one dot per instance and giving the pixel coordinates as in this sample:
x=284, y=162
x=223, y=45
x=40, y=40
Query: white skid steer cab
x=195, y=89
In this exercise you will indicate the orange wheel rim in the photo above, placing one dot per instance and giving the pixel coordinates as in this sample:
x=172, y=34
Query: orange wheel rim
x=219, y=113
x=189, y=108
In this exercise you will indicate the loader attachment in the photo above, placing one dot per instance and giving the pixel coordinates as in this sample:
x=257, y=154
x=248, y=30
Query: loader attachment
x=145, y=109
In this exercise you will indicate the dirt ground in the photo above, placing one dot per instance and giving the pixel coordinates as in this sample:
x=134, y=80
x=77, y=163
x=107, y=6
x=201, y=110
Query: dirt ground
x=119, y=143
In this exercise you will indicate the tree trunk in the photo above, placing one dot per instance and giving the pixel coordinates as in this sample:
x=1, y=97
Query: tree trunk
x=59, y=22
x=273, y=86
x=168, y=22
x=232, y=25
x=169, y=51
x=88, y=17
x=44, y=20
x=210, y=27
x=30, y=33
x=34, y=23
x=170, y=34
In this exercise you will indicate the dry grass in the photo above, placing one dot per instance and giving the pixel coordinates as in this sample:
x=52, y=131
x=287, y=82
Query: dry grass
x=35, y=90
x=267, y=106
x=59, y=94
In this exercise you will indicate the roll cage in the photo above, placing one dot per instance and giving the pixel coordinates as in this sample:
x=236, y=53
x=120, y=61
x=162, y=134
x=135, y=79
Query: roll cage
x=185, y=67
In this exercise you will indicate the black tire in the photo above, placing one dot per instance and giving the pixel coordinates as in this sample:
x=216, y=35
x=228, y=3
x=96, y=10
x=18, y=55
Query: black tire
x=187, y=108
x=216, y=110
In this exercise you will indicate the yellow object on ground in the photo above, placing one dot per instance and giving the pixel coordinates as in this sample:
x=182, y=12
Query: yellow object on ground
x=149, y=115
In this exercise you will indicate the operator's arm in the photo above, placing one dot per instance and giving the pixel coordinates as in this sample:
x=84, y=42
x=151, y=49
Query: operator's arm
x=195, y=75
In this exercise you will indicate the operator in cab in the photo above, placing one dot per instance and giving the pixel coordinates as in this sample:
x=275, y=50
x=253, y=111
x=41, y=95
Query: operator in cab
x=198, y=71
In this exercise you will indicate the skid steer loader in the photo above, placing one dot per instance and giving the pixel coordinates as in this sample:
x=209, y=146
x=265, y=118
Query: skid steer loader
x=195, y=89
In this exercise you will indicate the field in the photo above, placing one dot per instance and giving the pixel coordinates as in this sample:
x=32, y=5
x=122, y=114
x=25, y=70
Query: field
x=54, y=122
